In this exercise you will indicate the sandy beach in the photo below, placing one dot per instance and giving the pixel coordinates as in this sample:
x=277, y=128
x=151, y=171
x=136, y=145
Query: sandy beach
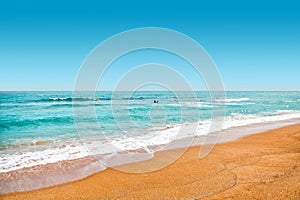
x=260, y=166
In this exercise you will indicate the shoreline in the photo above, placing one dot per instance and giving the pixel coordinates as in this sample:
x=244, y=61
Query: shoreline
x=281, y=150
x=65, y=171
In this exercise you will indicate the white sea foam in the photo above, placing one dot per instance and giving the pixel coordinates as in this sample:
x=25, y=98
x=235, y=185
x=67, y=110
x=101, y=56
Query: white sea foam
x=233, y=100
x=20, y=160
x=291, y=101
x=165, y=136
x=198, y=104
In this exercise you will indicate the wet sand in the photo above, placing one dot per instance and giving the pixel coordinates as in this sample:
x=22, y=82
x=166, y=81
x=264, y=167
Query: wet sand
x=260, y=166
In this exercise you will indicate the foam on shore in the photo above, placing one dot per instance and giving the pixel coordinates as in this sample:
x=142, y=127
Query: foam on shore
x=96, y=155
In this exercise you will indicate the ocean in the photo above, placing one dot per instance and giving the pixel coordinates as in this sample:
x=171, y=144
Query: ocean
x=66, y=133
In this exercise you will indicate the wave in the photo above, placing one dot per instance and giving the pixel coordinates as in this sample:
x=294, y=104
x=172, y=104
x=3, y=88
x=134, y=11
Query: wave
x=148, y=97
x=5, y=124
x=169, y=133
x=291, y=101
x=198, y=104
x=72, y=99
x=51, y=155
x=66, y=99
x=233, y=100
x=136, y=98
x=71, y=105
x=69, y=99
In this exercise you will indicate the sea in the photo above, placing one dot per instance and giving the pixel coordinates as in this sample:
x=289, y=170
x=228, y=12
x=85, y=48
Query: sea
x=48, y=138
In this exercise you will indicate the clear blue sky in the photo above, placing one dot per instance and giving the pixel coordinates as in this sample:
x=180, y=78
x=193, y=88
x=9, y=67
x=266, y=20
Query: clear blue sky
x=255, y=44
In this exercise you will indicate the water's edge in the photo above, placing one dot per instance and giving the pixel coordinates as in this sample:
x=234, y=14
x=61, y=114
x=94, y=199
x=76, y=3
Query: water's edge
x=62, y=172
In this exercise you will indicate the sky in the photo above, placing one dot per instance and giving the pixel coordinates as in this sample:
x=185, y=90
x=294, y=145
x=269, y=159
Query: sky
x=254, y=44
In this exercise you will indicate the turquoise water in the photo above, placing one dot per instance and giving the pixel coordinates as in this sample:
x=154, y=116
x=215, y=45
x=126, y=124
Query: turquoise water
x=49, y=115
x=34, y=116
x=38, y=128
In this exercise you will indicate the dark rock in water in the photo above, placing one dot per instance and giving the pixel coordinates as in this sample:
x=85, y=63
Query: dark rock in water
x=155, y=101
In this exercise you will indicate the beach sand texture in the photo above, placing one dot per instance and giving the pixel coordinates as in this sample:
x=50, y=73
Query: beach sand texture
x=260, y=166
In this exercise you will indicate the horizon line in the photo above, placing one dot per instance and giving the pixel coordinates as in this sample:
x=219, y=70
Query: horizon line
x=230, y=90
